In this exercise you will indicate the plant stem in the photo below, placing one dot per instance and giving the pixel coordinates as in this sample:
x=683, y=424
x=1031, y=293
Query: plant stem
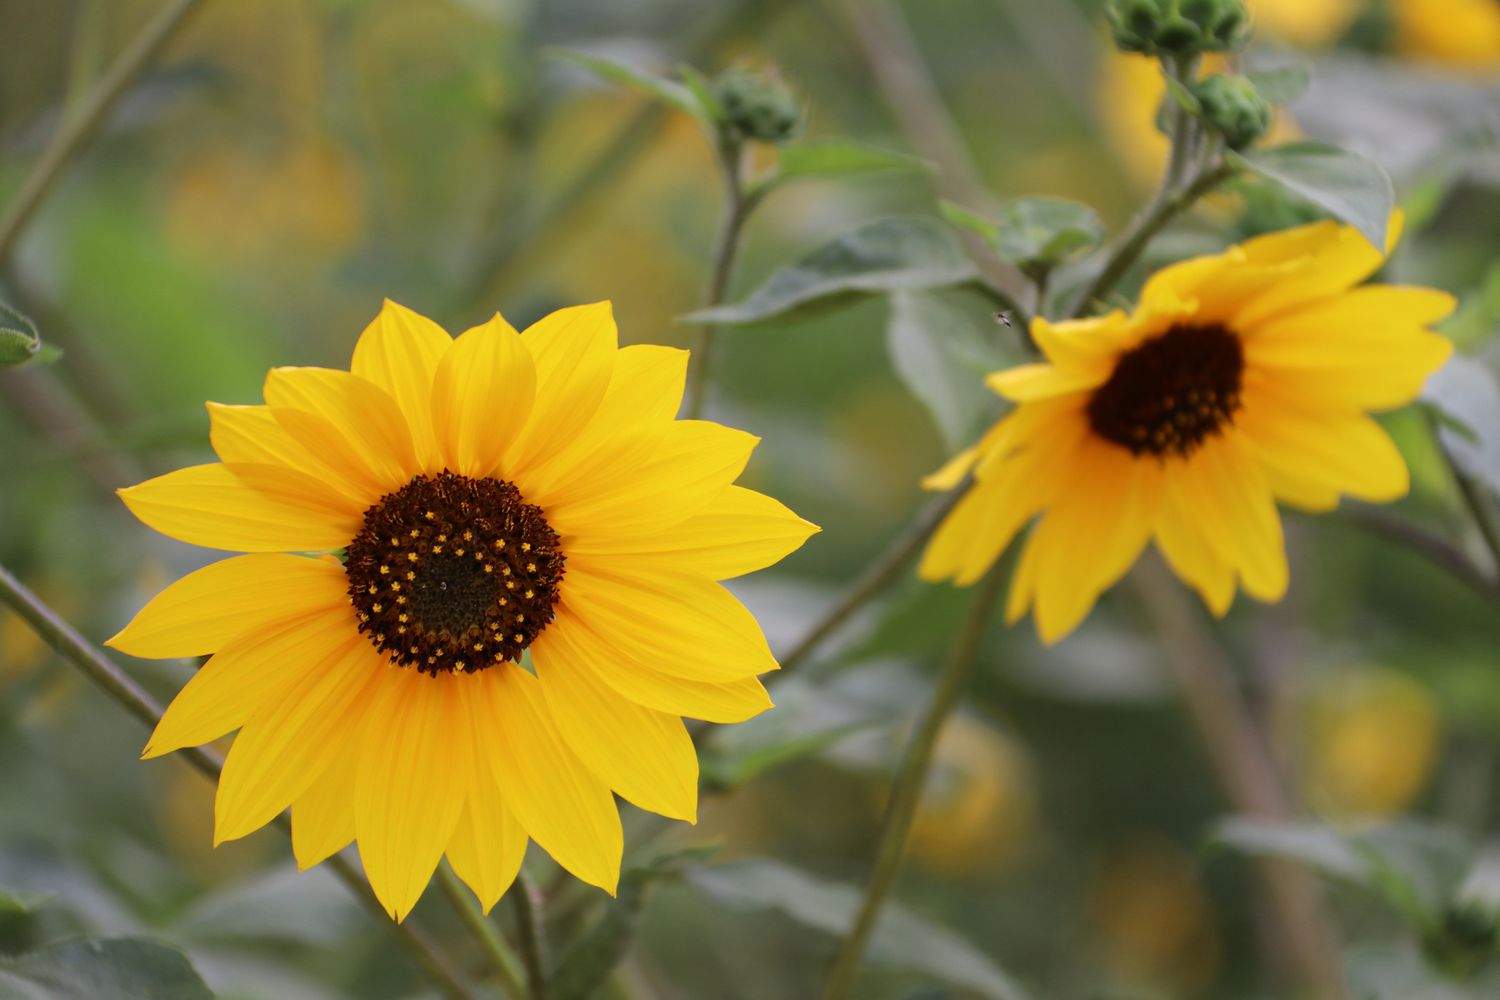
x=503, y=961
x=76, y=129
x=876, y=577
x=1434, y=548
x=1484, y=518
x=530, y=928
x=906, y=791
x=73, y=647
x=737, y=207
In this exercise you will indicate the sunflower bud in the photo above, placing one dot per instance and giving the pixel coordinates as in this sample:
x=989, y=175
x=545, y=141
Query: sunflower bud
x=1464, y=941
x=757, y=105
x=1179, y=27
x=1232, y=107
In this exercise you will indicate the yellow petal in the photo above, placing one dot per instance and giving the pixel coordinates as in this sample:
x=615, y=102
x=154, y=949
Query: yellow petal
x=1333, y=259
x=644, y=755
x=415, y=774
x=732, y=701
x=680, y=625
x=558, y=800
x=482, y=396
x=1041, y=381
x=488, y=845
x=251, y=434
x=1237, y=514
x=1023, y=581
x=399, y=351
x=574, y=351
x=1181, y=540
x=251, y=671
x=206, y=609
x=245, y=508
x=323, y=816
x=644, y=394
x=355, y=426
x=1085, y=344
x=1091, y=535
x=696, y=460
x=291, y=739
x=736, y=533
x=1350, y=454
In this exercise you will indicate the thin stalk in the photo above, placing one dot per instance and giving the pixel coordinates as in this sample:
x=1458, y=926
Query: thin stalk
x=74, y=130
x=1484, y=518
x=1433, y=547
x=503, y=961
x=531, y=929
x=876, y=577
x=73, y=647
x=737, y=207
x=906, y=792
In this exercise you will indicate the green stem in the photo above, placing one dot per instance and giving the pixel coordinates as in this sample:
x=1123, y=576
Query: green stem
x=737, y=208
x=906, y=792
x=1484, y=518
x=530, y=928
x=876, y=577
x=76, y=129
x=73, y=647
x=503, y=961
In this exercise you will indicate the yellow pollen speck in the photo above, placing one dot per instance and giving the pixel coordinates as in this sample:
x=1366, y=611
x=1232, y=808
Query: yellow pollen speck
x=504, y=601
x=458, y=552
x=458, y=664
x=489, y=567
x=385, y=571
x=518, y=637
x=403, y=617
x=505, y=571
x=395, y=540
x=413, y=533
x=478, y=647
x=520, y=619
x=531, y=567
x=411, y=574
x=436, y=549
x=442, y=538
x=525, y=546
x=530, y=593
x=510, y=585
x=468, y=535
x=377, y=608
x=411, y=557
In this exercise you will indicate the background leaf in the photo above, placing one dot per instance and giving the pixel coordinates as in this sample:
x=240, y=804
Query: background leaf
x=901, y=940
x=841, y=158
x=1354, y=189
x=904, y=253
x=1466, y=391
x=118, y=968
x=670, y=92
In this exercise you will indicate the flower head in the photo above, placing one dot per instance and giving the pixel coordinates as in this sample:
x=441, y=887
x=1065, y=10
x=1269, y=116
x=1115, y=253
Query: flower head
x=500, y=500
x=1240, y=380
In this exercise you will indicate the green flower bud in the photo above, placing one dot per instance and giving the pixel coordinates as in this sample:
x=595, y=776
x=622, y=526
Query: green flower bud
x=757, y=105
x=1464, y=942
x=1179, y=27
x=1232, y=107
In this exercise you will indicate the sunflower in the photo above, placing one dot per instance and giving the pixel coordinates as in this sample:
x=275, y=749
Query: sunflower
x=1464, y=34
x=515, y=602
x=1239, y=380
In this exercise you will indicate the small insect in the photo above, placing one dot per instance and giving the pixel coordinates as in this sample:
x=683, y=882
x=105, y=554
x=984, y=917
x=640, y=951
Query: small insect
x=1003, y=317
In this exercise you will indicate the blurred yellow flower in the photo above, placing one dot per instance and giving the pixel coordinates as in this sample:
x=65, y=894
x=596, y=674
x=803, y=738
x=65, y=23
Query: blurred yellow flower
x=501, y=498
x=978, y=808
x=1156, y=923
x=1239, y=380
x=1304, y=22
x=1372, y=740
x=1461, y=33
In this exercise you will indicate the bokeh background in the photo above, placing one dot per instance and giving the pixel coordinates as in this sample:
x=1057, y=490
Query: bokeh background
x=289, y=163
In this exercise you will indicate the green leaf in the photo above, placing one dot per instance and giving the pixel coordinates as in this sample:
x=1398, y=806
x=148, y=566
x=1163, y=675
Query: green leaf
x=21, y=900
x=590, y=959
x=1281, y=85
x=1318, y=847
x=1044, y=232
x=942, y=349
x=19, y=341
x=964, y=218
x=683, y=98
x=841, y=158
x=902, y=940
x=1352, y=188
x=703, y=90
x=904, y=253
x=808, y=719
x=1468, y=395
x=87, y=969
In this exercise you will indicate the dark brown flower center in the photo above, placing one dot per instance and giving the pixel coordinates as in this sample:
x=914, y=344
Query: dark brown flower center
x=450, y=573
x=1172, y=392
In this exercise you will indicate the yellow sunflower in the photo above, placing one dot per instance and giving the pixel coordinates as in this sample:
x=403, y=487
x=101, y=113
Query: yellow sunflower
x=1239, y=380
x=1460, y=33
x=488, y=496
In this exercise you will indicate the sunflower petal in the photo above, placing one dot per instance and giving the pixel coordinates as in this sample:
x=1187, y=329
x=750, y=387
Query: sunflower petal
x=574, y=351
x=1042, y=381
x=244, y=508
x=1350, y=454
x=323, y=816
x=559, y=801
x=355, y=427
x=253, y=670
x=644, y=755
x=488, y=844
x=414, y=776
x=400, y=351
x=682, y=626
x=206, y=609
x=1238, y=515
x=482, y=395
x=736, y=533
x=291, y=739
